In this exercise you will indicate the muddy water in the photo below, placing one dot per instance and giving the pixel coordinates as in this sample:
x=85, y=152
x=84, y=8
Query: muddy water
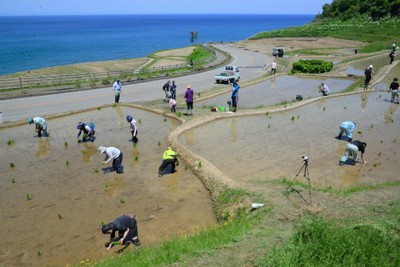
x=268, y=147
x=72, y=193
x=359, y=67
x=277, y=90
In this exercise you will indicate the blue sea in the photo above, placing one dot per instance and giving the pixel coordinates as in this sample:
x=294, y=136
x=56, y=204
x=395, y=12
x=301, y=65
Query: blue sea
x=28, y=43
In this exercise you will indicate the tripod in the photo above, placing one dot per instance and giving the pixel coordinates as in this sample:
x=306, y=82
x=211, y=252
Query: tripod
x=307, y=176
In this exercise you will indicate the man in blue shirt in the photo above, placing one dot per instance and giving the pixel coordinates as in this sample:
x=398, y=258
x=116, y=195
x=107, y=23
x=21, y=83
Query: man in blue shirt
x=235, y=95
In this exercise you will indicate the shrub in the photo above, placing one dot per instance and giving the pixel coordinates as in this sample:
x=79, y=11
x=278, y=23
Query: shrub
x=312, y=66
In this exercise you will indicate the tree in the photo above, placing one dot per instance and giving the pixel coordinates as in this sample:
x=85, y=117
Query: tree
x=193, y=37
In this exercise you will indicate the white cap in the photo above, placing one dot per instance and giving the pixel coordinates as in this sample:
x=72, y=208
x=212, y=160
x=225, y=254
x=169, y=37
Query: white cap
x=101, y=149
x=370, y=66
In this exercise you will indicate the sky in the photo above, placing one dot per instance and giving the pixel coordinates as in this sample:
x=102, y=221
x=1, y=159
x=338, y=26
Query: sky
x=100, y=7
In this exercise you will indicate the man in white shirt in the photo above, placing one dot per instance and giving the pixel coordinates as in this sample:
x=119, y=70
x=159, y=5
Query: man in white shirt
x=324, y=89
x=117, y=86
x=112, y=153
x=273, y=68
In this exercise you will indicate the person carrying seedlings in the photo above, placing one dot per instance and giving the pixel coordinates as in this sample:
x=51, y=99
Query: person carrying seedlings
x=169, y=158
x=126, y=226
x=353, y=150
x=117, y=86
x=87, y=129
x=40, y=125
x=235, y=95
x=394, y=87
x=133, y=126
x=348, y=128
x=112, y=153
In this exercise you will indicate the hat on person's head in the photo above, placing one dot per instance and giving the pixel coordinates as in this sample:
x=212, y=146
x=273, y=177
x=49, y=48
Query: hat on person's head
x=370, y=67
x=30, y=120
x=187, y=86
x=101, y=149
x=395, y=79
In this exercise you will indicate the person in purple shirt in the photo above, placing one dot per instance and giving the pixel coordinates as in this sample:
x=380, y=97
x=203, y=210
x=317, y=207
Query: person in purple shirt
x=189, y=100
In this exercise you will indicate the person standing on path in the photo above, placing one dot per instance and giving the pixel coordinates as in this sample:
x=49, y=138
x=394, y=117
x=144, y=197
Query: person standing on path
x=348, y=128
x=353, y=150
x=173, y=90
x=40, y=125
x=368, y=76
x=394, y=88
x=391, y=55
x=117, y=86
x=126, y=226
x=273, y=67
x=235, y=95
x=166, y=88
x=189, y=100
x=112, y=153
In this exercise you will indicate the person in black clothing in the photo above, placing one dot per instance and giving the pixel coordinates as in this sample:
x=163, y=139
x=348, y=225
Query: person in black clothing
x=166, y=88
x=352, y=150
x=391, y=55
x=368, y=76
x=394, y=87
x=126, y=226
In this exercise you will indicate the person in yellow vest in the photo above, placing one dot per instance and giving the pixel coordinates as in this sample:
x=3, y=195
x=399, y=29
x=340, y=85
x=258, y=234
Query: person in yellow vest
x=169, y=158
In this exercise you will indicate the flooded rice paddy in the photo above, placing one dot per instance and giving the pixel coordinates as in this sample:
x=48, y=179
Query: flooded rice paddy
x=267, y=147
x=70, y=193
x=278, y=90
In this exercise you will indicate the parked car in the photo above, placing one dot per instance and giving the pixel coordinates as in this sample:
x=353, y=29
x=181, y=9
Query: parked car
x=278, y=52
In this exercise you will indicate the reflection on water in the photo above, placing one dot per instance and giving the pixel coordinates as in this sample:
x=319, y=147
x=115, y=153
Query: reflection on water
x=44, y=147
x=354, y=71
x=389, y=114
x=364, y=100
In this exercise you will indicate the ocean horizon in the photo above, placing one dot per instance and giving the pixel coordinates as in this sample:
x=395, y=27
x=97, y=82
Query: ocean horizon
x=33, y=42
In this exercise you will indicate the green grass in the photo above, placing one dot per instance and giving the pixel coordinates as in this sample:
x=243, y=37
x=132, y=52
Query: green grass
x=378, y=34
x=319, y=242
x=340, y=192
x=183, y=248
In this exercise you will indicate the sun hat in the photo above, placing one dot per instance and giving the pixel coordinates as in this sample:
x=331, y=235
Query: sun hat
x=102, y=149
x=370, y=66
x=188, y=86
x=30, y=120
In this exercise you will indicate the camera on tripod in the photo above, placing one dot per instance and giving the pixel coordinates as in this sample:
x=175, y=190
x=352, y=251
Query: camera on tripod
x=305, y=158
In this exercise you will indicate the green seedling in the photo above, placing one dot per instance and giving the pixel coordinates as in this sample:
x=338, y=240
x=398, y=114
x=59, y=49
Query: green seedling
x=39, y=253
x=395, y=141
x=28, y=197
x=359, y=132
x=345, y=107
x=372, y=126
x=298, y=116
x=12, y=165
x=199, y=165
x=122, y=201
x=267, y=113
x=96, y=171
x=136, y=158
x=375, y=165
x=13, y=180
x=269, y=125
x=159, y=143
x=65, y=143
x=67, y=163
x=293, y=117
x=179, y=114
x=185, y=167
x=140, y=121
x=381, y=141
x=379, y=154
x=116, y=243
x=85, y=152
x=114, y=105
x=10, y=142
x=165, y=119
x=99, y=108
x=323, y=108
x=59, y=216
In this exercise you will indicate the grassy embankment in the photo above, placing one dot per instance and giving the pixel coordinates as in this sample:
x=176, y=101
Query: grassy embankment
x=373, y=240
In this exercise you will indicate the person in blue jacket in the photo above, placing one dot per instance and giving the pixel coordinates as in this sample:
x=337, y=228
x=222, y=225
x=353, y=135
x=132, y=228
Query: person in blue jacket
x=348, y=128
x=235, y=95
